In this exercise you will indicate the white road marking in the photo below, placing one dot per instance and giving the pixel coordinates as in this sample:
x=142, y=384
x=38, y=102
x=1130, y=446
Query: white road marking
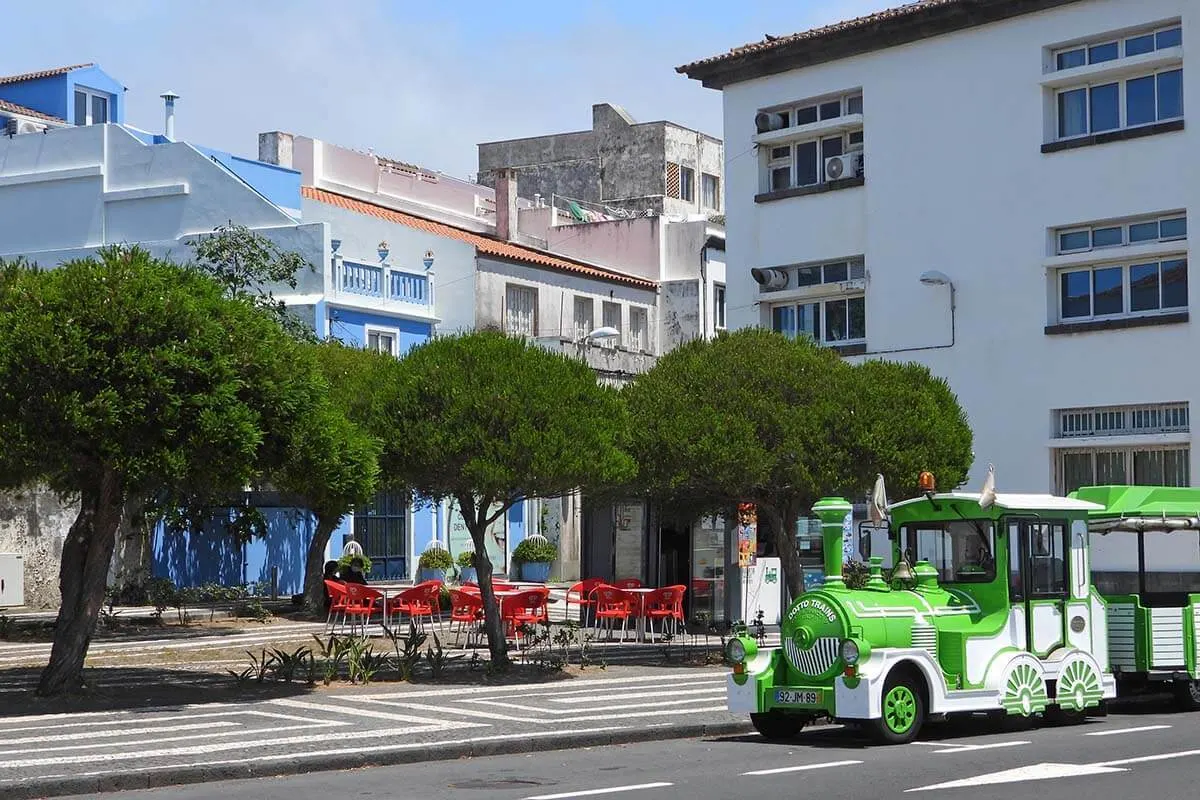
x=536, y=710
x=970, y=748
x=343, y=712
x=604, y=698
x=1145, y=759
x=1129, y=730
x=715, y=681
x=653, y=680
x=470, y=712
x=124, y=732
x=592, y=792
x=801, y=768
x=311, y=754
x=308, y=726
x=1033, y=772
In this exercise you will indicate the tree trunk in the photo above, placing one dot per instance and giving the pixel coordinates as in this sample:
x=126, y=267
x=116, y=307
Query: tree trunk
x=314, y=565
x=784, y=525
x=131, y=557
x=87, y=553
x=497, y=645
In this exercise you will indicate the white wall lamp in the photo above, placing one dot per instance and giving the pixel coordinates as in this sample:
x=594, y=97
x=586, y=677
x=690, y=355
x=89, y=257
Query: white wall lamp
x=599, y=334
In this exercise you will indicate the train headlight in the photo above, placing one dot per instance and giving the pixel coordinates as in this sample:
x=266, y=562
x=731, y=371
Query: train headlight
x=740, y=649
x=852, y=651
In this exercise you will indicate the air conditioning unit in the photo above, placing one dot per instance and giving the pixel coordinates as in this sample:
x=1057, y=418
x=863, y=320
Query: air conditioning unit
x=847, y=165
x=770, y=278
x=765, y=121
x=15, y=126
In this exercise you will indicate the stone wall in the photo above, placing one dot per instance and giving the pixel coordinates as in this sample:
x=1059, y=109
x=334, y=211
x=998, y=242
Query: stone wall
x=35, y=524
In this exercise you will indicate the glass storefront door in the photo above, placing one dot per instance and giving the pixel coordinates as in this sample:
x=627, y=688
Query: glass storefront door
x=709, y=557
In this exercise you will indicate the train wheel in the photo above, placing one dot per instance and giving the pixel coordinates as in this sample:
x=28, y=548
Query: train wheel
x=1188, y=694
x=775, y=725
x=903, y=712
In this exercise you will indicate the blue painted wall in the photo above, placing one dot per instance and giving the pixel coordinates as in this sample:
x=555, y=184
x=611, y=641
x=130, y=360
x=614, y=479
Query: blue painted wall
x=47, y=95
x=56, y=95
x=280, y=185
x=211, y=555
x=349, y=326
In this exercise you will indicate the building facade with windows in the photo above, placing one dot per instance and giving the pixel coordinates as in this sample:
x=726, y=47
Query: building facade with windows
x=997, y=189
x=620, y=165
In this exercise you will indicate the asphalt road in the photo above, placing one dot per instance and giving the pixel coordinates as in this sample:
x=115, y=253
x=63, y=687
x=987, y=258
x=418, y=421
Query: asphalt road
x=1141, y=753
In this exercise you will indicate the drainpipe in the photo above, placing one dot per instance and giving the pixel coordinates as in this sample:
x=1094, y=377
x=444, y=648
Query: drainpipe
x=704, y=288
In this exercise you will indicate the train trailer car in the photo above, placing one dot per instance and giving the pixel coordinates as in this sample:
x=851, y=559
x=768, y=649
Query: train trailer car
x=1154, y=604
x=990, y=609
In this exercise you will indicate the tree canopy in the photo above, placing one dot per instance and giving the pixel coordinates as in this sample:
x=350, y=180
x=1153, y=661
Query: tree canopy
x=753, y=416
x=487, y=420
x=124, y=374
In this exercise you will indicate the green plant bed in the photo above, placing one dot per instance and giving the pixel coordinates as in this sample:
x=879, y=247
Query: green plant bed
x=535, y=551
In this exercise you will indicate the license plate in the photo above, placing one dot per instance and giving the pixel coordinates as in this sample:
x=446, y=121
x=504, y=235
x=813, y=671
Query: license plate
x=797, y=697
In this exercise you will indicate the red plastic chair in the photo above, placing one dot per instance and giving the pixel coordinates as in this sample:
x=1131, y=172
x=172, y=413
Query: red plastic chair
x=665, y=604
x=422, y=600
x=467, y=610
x=628, y=583
x=360, y=604
x=612, y=604
x=581, y=595
x=528, y=607
x=337, y=603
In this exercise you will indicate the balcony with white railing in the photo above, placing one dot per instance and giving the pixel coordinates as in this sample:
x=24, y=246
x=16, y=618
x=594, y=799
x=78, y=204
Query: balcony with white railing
x=386, y=284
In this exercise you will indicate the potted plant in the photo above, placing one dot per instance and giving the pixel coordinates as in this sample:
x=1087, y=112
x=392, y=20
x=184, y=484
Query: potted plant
x=466, y=567
x=359, y=562
x=433, y=564
x=535, y=555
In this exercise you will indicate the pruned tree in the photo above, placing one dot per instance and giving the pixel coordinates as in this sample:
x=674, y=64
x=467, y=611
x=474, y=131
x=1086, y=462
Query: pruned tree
x=904, y=420
x=335, y=466
x=750, y=416
x=487, y=420
x=123, y=375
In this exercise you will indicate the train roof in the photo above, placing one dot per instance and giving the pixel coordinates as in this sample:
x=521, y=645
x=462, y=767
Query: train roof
x=1013, y=502
x=1141, y=501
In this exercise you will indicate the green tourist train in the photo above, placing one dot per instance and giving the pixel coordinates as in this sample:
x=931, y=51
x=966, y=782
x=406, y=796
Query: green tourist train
x=992, y=607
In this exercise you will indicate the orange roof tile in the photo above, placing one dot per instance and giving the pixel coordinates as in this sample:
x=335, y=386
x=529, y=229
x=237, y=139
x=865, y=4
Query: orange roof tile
x=45, y=73
x=483, y=244
x=13, y=108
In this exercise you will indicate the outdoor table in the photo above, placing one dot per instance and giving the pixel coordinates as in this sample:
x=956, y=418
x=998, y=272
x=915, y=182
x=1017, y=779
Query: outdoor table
x=640, y=627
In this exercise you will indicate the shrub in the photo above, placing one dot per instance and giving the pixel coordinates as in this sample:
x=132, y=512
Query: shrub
x=535, y=551
x=364, y=563
x=464, y=559
x=435, y=558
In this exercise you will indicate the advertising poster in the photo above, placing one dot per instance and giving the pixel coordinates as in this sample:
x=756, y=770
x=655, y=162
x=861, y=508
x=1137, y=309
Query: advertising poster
x=747, y=534
x=629, y=531
x=459, y=538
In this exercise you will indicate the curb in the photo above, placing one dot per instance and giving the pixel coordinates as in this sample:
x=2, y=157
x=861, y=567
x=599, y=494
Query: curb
x=296, y=764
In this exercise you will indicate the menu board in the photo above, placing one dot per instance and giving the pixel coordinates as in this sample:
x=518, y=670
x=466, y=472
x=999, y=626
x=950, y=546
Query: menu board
x=629, y=533
x=496, y=538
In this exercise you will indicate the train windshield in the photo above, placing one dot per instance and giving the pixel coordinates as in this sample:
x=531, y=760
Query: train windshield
x=961, y=550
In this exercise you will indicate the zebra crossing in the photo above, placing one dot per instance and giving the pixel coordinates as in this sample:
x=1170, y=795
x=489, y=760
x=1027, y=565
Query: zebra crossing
x=308, y=725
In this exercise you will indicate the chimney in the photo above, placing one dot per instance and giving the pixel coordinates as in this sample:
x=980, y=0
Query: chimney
x=506, y=203
x=169, y=98
x=276, y=147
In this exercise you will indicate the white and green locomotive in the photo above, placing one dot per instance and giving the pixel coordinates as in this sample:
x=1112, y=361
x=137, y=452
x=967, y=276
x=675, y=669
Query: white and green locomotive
x=991, y=608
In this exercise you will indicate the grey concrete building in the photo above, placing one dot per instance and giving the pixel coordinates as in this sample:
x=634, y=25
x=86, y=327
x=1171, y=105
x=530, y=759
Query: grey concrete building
x=620, y=164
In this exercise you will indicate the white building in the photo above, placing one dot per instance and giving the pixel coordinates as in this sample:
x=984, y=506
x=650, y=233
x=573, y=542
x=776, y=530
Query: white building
x=1032, y=153
x=998, y=189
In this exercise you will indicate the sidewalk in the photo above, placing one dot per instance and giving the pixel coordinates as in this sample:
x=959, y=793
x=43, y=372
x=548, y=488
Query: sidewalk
x=163, y=709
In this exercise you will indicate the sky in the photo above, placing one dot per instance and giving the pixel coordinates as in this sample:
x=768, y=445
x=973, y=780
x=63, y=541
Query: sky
x=422, y=82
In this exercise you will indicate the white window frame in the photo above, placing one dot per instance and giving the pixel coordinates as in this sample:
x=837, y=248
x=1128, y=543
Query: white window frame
x=1127, y=453
x=584, y=324
x=1122, y=103
x=719, y=306
x=379, y=331
x=792, y=160
x=1126, y=290
x=91, y=95
x=639, y=329
x=856, y=270
x=707, y=180
x=1128, y=420
x=824, y=302
x=1122, y=42
x=1125, y=226
x=519, y=330
x=687, y=184
x=607, y=320
x=845, y=100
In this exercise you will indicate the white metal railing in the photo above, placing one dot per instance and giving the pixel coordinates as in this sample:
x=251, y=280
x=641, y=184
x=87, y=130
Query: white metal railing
x=1122, y=420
